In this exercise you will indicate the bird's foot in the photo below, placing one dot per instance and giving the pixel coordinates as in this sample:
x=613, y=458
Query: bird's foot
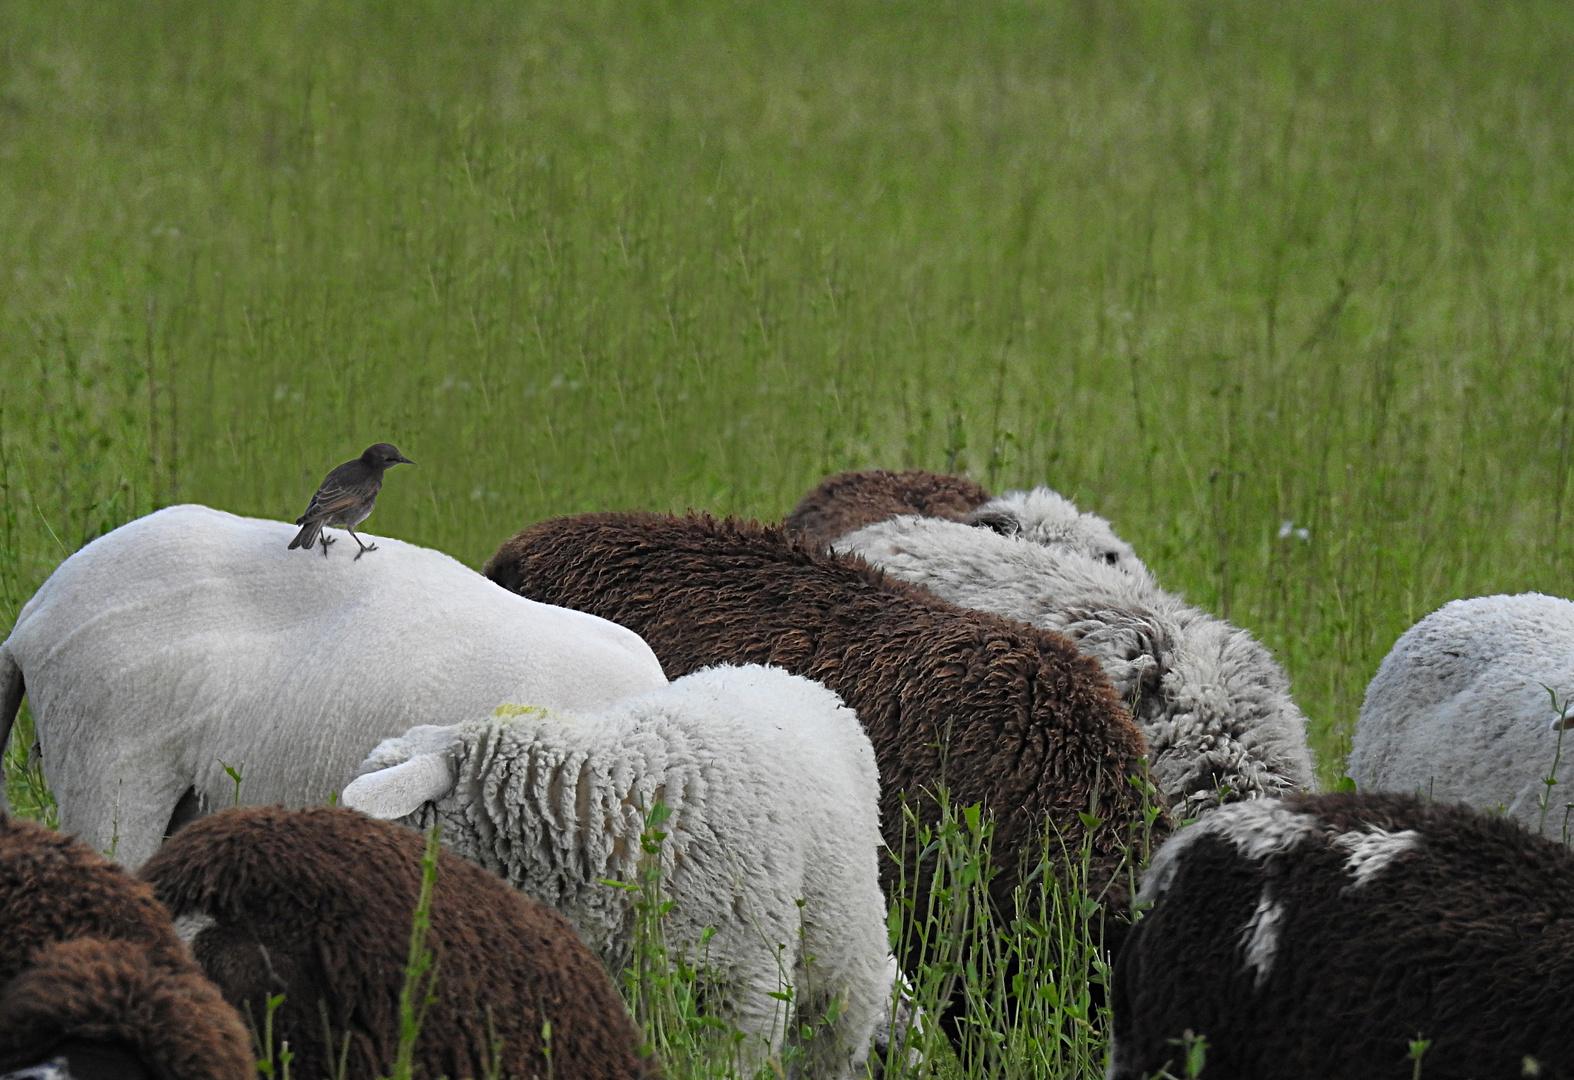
x=364, y=549
x=325, y=540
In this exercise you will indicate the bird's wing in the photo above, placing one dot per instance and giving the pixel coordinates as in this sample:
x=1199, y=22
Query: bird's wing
x=338, y=492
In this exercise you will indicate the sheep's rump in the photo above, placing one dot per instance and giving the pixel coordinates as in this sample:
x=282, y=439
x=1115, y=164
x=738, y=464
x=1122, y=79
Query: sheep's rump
x=997, y=712
x=851, y=500
x=1317, y=936
x=317, y=905
x=1459, y=708
x=87, y=956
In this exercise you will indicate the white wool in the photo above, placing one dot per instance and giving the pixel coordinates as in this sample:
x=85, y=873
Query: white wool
x=1044, y=516
x=1257, y=829
x=1260, y=936
x=773, y=792
x=1459, y=710
x=1214, y=705
x=191, y=638
x=1373, y=849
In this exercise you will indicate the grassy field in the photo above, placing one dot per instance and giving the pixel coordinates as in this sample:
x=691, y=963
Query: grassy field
x=1285, y=290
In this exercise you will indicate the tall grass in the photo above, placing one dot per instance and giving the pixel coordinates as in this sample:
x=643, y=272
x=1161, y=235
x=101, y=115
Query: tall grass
x=1223, y=272
x=1027, y=987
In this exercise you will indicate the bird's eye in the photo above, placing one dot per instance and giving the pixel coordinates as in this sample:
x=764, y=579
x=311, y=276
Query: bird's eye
x=1111, y=557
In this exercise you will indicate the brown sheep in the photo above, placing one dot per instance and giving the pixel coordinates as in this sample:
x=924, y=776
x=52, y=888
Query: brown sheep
x=998, y=712
x=317, y=905
x=851, y=500
x=91, y=970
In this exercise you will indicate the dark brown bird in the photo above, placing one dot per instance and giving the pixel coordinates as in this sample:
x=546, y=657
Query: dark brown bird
x=346, y=497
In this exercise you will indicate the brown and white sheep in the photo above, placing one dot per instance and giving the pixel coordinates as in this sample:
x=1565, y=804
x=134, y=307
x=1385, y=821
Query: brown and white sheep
x=851, y=500
x=91, y=970
x=1320, y=935
x=996, y=712
x=317, y=905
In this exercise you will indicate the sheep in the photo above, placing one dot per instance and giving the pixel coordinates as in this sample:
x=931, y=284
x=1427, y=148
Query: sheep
x=772, y=839
x=1044, y=516
x=1213, y=704
x=91, y=970
x=317, y=905
x=996, y=712
x=1459, y=709
x=191, y=640
x=1318, y=936
x=850, y=500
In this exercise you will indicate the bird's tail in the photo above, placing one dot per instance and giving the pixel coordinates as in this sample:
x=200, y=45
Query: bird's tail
x=307, y=536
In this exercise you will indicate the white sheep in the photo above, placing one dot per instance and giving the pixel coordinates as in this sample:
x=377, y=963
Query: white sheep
x=772, y=840
x=191, y=640
x=1044, y=516
x=1214, y=705
x=1460, y=711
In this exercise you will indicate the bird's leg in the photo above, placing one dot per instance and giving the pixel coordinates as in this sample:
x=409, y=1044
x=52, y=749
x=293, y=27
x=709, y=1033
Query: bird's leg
x=325, y=540
x=364, y=547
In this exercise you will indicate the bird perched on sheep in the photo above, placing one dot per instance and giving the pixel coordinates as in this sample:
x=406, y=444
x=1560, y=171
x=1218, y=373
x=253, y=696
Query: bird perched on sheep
x=1460, y=711
x=317, y=905
x=1214, y=705
x=851, y=500
x=996, y=712
x=91, y=970
x=191, y=639
x=1319, y=936
x=772, y=840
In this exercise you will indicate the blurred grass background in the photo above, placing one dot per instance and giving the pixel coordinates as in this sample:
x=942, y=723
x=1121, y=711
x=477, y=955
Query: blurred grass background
x=1282, y=289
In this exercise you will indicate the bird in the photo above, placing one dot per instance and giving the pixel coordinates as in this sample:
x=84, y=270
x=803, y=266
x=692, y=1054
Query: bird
x=346, y=497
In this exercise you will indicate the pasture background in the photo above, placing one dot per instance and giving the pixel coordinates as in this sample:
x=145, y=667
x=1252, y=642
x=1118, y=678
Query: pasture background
x=1207, y=268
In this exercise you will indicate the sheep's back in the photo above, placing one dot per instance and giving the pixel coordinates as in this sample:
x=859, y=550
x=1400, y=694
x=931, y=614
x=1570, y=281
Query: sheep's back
x=1459, y=708
x=1317, y=936
x=330, y=893
x=1029, y=724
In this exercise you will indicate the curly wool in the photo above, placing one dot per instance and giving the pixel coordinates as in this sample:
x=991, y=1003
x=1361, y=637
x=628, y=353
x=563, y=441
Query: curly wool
x=1044, y=516
x=771, y=844
x=87, y=954
x=1459, y=708
x=1316, y=937
x=998, y=713
x=317, y=905
x=1213, y=704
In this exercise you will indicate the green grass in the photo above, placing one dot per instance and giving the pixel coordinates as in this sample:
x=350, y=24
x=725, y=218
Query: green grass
x=1206, y=268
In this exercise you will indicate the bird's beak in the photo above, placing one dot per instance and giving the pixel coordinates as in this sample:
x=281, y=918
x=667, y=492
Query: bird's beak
x=404, y=460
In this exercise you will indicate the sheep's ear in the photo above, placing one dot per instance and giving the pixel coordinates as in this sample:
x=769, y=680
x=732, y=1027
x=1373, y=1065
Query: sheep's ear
x=393, y=793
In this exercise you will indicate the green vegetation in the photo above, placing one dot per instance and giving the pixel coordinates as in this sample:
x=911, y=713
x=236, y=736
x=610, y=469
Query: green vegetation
x=1286, y=290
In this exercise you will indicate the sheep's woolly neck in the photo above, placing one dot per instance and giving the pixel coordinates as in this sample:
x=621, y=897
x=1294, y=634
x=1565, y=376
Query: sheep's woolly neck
x=1214, y=705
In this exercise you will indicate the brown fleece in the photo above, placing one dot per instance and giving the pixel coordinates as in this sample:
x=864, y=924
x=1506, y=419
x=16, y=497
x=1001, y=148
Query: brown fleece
x=317, y=905
x=1465, y=938
x=851, y=500
x=86, y=952
x=996, y=711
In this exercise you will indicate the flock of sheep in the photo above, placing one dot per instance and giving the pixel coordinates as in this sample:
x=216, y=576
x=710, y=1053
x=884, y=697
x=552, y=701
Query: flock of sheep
x=897, y=634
